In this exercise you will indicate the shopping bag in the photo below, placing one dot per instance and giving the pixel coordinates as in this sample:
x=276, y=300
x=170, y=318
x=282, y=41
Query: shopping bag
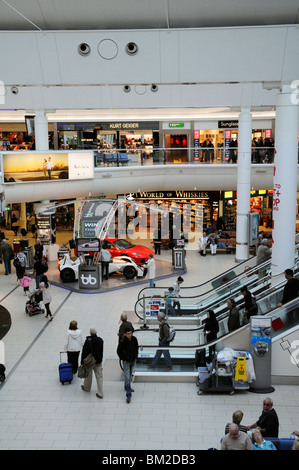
x=277, y=324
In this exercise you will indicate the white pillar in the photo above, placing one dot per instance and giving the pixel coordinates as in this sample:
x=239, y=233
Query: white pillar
x=285, y=182
x=243, y=184
x=41, y=131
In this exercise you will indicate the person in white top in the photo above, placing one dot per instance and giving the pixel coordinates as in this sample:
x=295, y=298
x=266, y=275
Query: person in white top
x=202, y=244
x=151, y=269
x=73, y=343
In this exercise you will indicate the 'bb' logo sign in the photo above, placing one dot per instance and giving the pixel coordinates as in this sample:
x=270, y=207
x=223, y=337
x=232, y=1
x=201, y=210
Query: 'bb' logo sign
x=88, y=280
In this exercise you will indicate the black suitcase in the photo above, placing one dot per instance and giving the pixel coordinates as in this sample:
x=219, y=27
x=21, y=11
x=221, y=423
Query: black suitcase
x=65, y=371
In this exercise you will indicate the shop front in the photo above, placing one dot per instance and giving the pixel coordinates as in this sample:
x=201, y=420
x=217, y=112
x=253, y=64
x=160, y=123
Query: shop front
x=177, y=142
x=189, y=211
x=136, y=139
x=217, y=142
x=260, y=202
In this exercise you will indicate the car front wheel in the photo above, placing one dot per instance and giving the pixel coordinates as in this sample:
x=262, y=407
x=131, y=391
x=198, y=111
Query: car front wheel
x=67, y=275
x=130, y=272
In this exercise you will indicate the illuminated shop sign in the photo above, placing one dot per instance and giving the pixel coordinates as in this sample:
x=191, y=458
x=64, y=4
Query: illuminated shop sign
x=228, y=124
x=168, y=195
x=176, y=124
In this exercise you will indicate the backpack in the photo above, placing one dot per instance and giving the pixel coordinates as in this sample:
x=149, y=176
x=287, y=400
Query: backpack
x=44, y=266
x=16, y=262
x=172, y=333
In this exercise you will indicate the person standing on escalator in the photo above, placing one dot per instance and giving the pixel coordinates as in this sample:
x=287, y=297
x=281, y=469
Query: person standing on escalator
x=291, y=289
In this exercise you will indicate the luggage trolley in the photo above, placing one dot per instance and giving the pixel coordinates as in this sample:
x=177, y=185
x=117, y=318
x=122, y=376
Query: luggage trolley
x=224, y=375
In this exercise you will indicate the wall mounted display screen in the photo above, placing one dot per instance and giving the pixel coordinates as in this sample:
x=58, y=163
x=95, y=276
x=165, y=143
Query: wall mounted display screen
x=36, y=166
x=87, y=245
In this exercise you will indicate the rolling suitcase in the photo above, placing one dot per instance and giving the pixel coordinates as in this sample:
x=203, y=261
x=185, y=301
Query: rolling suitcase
x=65, y=371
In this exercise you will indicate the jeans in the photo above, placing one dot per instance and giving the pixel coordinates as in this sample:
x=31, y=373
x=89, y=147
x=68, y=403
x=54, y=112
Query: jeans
x=38, y=278
x=165, y=353
x=128, y=369
x=7, y=266
x=152, y=283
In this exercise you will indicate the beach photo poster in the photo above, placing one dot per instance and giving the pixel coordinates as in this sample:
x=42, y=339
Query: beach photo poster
x=25, y=166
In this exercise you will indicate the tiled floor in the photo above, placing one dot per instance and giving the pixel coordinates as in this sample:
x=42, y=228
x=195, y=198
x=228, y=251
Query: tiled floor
x=37, y=412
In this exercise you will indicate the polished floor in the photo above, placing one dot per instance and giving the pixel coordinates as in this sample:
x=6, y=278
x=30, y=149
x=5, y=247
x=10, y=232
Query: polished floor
x=38, y=413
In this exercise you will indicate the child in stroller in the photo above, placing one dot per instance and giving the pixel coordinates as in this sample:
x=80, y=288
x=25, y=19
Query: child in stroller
x=32, y=305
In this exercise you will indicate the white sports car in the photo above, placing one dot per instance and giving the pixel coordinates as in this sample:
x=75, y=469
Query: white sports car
x=120, y=264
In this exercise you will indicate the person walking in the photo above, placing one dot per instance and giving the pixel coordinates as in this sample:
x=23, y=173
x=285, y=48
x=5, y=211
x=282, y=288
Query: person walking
x=73, y=344
x=20, y=263
x=151, y=269
x=127, y=351
x=38, y=271
x=38, y=249
x=164, y=332
x=45, y=289
x=6, y=254
x=94, y=346
x=25, y=283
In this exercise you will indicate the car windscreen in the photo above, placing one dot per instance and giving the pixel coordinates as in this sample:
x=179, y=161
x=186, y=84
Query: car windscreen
x=123, y=244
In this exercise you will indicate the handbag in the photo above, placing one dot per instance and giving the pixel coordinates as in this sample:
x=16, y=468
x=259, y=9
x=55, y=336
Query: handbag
x=82, y=371
x=277, y=324
x=89, y=361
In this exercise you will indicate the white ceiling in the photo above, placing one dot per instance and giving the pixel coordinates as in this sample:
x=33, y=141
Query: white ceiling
x=25, y=15
x=80, y=15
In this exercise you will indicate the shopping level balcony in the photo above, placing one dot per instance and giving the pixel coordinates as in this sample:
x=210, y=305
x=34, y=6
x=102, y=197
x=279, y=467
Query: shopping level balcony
x=185, y=155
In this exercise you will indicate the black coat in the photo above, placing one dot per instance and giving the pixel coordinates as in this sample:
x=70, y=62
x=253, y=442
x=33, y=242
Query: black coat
x=95, y=345
x=213, y=328
x=127, y=349
x=233, y=319
x=291, y=290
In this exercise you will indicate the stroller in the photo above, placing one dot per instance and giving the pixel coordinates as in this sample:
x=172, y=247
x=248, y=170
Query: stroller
x=32, y=305
x=2, y=372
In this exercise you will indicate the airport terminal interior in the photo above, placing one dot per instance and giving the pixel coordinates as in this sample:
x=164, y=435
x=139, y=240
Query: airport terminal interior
x=141, y=133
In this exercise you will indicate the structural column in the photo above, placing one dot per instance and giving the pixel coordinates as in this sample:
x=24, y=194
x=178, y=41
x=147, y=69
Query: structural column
x=285, y=181
x=243, y=184
x=41, y=131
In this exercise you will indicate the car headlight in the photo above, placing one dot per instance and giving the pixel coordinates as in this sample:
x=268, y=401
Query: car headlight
x=137, y=254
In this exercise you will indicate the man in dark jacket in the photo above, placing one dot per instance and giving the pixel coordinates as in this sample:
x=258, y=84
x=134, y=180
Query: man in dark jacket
x=251, y=307
x=6, y=253
x=234, y=316
x=291, y=289
x=93, y=345
x=268, y=422
x=127, y=351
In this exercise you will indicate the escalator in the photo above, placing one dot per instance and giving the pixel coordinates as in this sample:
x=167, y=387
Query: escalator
x=189, y=339
x=212, y=294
